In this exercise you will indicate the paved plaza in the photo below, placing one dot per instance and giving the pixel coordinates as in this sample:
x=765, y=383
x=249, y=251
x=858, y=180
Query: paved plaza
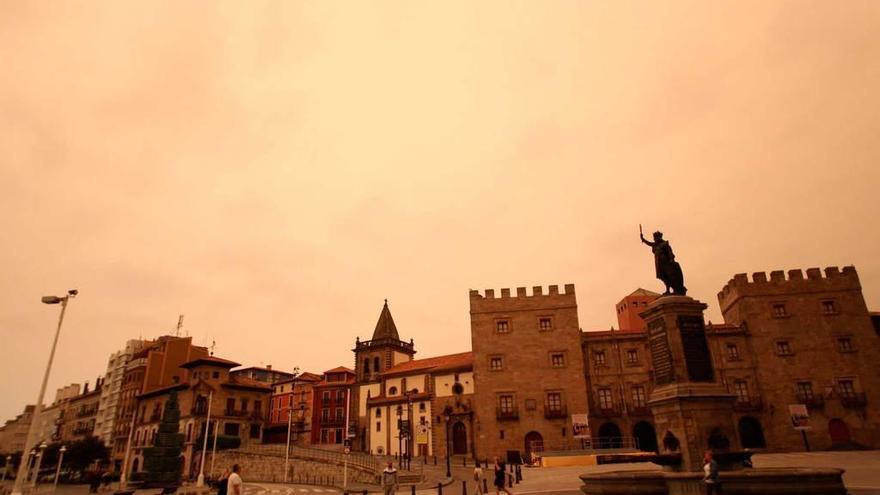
x=862, y=476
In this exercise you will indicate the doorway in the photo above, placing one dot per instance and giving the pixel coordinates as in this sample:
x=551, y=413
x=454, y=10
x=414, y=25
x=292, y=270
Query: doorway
x=646, y=437
x=839, y=432
x=610, y=436
x=534, y=444
x=459, y=439
x=751, y=435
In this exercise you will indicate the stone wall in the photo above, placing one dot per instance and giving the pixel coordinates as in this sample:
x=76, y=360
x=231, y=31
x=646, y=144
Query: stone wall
x=269, y=468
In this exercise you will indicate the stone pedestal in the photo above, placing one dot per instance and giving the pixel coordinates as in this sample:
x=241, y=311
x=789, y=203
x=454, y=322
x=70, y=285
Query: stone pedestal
x=693, y=412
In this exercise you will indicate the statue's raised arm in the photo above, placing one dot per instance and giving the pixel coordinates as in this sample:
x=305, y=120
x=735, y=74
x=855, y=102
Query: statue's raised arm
x=642, y=237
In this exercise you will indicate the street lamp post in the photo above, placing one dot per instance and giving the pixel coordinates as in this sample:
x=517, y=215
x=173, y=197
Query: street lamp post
x=214, y=447
x=125, y=459
x=32, y=458
x=38, y=408
x=200, y=481
x=399, y=434
x=448, y=464
x=287, y=450
x=37, y=463
x=6, y=467
x=61, y=452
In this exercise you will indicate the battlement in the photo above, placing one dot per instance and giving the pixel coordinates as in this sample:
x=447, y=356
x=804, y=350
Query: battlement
x=522, y=299
x=791, y=282
x=537, y=291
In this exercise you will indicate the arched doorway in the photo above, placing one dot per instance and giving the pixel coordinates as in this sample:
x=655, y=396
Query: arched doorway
x=718, y=440
x=610, y=436
x=135, y=464
x=751, y=435
x=534, y=444
x=839, y=432
x=646, y=437
x=459, y=439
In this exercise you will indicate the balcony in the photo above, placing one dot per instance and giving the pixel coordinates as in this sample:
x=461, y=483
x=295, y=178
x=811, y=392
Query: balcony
x=557, y=412
x=198, y=411
x=640, y=410
x=854, y=400
x=811, y=401
x=258, y=415
x=609, y=411
x=333, y=422
x=506, y=414
x=746, y=404
x=235, y=413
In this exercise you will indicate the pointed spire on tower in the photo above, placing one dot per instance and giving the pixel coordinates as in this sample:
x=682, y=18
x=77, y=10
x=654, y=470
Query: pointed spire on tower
x=385, y=328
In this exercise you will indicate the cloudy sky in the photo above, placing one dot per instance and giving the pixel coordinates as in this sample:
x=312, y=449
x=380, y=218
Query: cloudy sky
x=274, y=170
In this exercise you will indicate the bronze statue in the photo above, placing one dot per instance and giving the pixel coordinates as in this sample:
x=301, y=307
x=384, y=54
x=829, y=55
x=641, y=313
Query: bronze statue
x=668, y=270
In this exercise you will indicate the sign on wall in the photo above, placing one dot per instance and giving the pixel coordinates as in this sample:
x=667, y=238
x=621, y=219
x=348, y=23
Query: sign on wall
x=422, y=434
x=580, y=426
x=800, y=417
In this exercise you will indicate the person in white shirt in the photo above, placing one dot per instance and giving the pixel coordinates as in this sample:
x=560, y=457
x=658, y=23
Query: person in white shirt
x=233, y=485
x=389, y=480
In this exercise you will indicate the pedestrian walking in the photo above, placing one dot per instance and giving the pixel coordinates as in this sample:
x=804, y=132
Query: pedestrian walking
x=478, y=479
x=223, y=482
x=710, y=475
x=500, y=477
x=389, y=479
x=233, y=485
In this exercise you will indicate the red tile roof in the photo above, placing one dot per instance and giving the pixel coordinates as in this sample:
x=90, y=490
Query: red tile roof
x=449, y=361
x=240, y=381
x=210, y=360
x=302, y=377
x=340, y=369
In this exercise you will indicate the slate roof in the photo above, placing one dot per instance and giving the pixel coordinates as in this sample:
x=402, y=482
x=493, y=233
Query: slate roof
x=385, y=327
x=449, y=361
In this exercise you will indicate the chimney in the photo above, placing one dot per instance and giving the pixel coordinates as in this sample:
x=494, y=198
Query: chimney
x=85, y=388
x=269, y=367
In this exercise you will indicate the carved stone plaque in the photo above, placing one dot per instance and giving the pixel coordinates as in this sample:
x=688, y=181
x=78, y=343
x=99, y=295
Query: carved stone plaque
x=661, y=356
x=697, y=358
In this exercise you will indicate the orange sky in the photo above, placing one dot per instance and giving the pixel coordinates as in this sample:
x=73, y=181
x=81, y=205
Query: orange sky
x=274, y=170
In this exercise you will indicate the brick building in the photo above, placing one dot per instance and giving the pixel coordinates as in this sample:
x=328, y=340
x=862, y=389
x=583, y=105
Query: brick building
x=238, y=408
x=155, y=364
x=330, y=406
x=528, y=370
x=292, y=399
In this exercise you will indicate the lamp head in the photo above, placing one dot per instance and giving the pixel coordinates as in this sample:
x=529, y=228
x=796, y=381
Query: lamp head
x=51, y=299
x=63, y=448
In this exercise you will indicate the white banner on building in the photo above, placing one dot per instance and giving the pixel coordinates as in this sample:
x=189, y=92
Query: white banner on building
x=580, y=426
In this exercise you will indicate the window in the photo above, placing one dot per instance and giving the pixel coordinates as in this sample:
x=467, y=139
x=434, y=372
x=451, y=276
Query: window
x=632, y=356
x=421, y=407
x=557, y=359
x=844, y=344
x=378, y=426
x=505, y=403
x=496, y=363
x=255, y=431
x=258, y=406
x=805, y=391
x=501, y=433
x=230, y=406
x=545, y=323
x=741, y=388
x=732, y=352
x=376, y=365
x=502, y=326
x=340, y=414
x=325, y=397
x=338, y=436
x=378, y=412
x=392, y=391
x=828, y=308
x=599, y=358
x=846, y=389
x=554, y=402
x=783, y=348
x=639, y=397
x=325, y=415
x=230, y=429
x=340, y=396
x=215, y=375
x=324, y=436
x=779, y=311
x=244, y=404
x=605, y=400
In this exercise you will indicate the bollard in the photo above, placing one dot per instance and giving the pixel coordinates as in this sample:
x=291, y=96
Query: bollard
x=485, y=486
x=435, y=459
x=464, y=461
x=412, y=489
x=365, y=492
x=439, y=488
x=463, y=487
x=510, y=482
x=518, y=473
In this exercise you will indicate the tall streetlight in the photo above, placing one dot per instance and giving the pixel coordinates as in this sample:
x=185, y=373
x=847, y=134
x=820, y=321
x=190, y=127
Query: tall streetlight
x=39, y=461
x=448, y=464
x=200, y=481
x=38, y=409
x=6, y=467
x=61, y=452
x=289, y=427
x=214, y=448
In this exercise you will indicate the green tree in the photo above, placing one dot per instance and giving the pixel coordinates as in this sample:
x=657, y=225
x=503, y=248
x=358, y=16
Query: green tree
x=82, y=453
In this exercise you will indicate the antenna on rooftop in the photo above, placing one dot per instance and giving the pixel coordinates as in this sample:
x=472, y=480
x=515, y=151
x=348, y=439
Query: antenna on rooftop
x=179, y=326
x=213, y=343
